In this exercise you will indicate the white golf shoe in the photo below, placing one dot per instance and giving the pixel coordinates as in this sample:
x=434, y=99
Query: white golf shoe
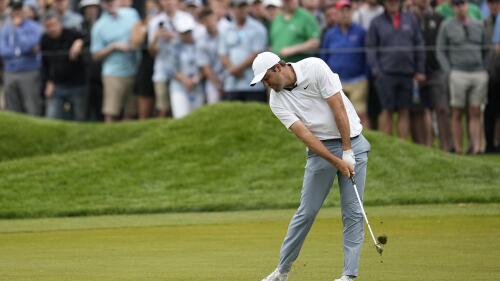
x=345, y=278
x=276, y=276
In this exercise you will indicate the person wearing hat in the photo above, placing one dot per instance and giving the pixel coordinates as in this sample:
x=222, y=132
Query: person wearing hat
x=161, y=35
x=351, y=66
x=462, y=56
x=273, y=7
x=19, y=48
x=239, y=44
x=90, y=9
x=186, y=89
x=307, y=97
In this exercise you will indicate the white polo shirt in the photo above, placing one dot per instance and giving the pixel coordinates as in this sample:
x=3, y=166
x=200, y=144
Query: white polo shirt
x=306, y=102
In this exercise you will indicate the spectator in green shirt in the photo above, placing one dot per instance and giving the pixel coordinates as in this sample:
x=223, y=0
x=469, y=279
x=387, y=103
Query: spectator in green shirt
x=446, y=10
x=294, y=33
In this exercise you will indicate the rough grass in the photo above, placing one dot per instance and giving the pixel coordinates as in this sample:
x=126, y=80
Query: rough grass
x=225, y=157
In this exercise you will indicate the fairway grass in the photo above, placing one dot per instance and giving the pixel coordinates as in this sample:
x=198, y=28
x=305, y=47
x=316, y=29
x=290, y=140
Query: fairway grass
x=425, y=242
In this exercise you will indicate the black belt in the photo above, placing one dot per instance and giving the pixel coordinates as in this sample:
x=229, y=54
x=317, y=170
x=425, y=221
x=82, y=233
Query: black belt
x=337, y=140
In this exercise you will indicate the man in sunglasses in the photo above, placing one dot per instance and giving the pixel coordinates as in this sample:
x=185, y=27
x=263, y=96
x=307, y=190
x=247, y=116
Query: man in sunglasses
x=461, y=53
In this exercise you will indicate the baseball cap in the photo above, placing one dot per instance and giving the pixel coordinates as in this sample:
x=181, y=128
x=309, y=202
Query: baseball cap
x=261, y=64
x=342, y=4
x=275, y=3
x=184, y=24
x=86, y=3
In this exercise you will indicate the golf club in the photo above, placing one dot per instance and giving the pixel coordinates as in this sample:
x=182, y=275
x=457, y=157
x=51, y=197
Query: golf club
x=382, y=239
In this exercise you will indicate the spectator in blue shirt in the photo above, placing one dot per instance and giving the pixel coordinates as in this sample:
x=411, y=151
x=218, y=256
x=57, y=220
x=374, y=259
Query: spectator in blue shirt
x=342, y=50
x=240, y=44
x=111, y=43
x=20, y=52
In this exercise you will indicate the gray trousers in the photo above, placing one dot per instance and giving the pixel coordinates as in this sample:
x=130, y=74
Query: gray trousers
x=22, y=92
x=318, y=180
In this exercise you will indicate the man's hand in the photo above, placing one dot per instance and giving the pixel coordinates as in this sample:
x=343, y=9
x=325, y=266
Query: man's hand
x=348, y=156
x=419, y=77
x=49, y=89
x=76, y=49
x=346, y=169
x=235, y=71
x=121, y=47
x=17, y=20
x=287, y=51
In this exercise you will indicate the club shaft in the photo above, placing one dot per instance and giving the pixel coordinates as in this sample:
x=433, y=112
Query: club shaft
x=363, y=210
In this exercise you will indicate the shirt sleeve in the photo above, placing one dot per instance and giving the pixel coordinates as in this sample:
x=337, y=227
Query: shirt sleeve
x=152, y=28
x=496, y=32
x=222, y=49
x=96, y=42
x=328, y=82
x=312, y=28
x=286, y=117
x=202, y=54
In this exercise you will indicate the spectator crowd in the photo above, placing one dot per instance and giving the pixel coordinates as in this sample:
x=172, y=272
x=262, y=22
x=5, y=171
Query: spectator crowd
x=421, y=68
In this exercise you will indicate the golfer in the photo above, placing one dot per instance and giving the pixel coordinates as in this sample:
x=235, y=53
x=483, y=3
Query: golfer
x=307, y=98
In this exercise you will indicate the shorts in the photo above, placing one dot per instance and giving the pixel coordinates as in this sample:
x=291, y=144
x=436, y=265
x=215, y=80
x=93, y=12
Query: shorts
x=394, y=91
x=433, y=93
x=162, y=99
x=357, y=93
x=118, y=96
x=468, y=87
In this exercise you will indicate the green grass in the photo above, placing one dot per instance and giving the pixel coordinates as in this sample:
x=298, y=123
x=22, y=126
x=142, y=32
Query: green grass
x=429, y=242
x=225, y=157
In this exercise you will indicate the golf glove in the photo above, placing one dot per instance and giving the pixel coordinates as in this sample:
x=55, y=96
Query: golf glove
x=348, y=156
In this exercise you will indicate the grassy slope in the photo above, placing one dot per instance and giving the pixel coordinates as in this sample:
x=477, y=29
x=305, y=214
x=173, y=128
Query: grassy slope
x=22, y=136
x=439, y=243
x=225, y=157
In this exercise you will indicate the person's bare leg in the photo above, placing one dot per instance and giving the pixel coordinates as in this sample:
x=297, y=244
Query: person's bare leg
x=443, y=122
x=109, y=119
x=385, y=122
x=456, y=127
x=428, y=132
x=416, y=126
x=145, y=107
x=496, y=132
x=404, y=123
x=475, y=128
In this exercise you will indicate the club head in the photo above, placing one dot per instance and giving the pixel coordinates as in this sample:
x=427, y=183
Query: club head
x=379, y=248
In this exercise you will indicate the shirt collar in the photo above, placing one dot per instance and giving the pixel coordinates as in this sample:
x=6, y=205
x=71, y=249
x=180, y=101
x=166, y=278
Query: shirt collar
x=298, y=73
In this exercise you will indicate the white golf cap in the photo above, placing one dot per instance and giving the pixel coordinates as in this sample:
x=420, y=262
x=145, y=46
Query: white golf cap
x=261, y=64
x=274, y=3
x=86, y=3
x=184, y=24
